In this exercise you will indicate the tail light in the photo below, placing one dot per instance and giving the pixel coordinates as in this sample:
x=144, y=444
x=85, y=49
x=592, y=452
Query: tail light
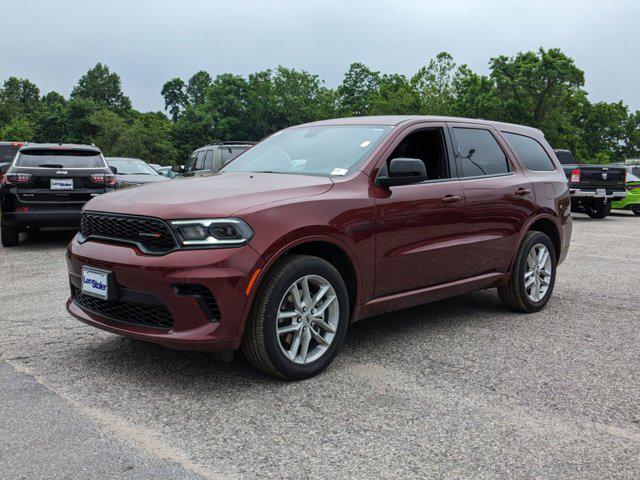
x=17, y=144
x=109, y=180
x=575, y=176
x=15, y=178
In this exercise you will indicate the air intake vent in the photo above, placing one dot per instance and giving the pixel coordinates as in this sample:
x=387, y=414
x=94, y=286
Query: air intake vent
x=203, y=295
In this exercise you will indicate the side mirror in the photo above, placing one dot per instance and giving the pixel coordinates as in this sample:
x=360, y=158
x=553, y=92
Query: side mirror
x=177, y=168
x=402, y=171
x=113, y=169
x=4, y=168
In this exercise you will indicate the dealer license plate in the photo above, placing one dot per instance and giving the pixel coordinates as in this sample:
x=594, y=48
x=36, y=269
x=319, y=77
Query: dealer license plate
x=62, y=184
x=95, y=283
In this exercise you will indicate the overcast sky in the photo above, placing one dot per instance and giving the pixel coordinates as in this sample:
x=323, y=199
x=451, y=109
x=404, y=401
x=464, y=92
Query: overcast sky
x=53, y=42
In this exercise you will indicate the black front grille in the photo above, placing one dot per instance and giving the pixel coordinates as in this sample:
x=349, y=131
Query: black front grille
x=203, y=295
x=134, y=313
x=152, y=235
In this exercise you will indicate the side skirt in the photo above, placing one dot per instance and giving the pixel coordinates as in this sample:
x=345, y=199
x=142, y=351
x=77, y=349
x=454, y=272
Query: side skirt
x=412, y=298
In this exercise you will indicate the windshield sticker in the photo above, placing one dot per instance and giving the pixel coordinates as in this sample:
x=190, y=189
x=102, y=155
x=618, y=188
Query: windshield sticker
x=365, y=144
x=339, y=171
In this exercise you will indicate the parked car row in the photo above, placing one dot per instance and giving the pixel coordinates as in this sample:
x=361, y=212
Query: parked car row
x=46, y=185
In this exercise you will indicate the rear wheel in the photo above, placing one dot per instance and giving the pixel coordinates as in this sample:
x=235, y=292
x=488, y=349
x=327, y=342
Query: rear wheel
x=299, y=321
x=597, y=209
x=636, y=210
x=533, y=275
x=10, y=236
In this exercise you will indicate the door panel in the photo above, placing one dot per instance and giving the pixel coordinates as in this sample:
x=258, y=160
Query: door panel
x=419, y=237
x=420, y=227
x=496, y=206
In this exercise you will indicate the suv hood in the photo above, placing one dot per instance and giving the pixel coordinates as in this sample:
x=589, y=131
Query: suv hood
x=217, y=195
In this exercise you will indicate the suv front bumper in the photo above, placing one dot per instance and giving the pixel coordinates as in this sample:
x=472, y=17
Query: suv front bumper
x=224, y=272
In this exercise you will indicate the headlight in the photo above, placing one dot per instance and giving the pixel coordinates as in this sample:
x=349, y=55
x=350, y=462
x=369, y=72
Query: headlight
x=212, y=232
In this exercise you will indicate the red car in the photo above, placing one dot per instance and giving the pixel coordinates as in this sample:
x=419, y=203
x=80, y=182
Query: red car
x=321, y=225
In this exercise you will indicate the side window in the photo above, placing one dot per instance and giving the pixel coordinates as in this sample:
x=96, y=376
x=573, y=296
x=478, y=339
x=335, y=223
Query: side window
x=208, y=161
x=199, y=163
x=191, y=163
x=427, y=145
x=530, y=152
x=479, y=153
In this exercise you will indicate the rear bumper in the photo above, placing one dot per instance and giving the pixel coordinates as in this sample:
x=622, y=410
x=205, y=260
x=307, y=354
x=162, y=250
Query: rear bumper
x=59, y=217
x=225, y=272
x=580, y=193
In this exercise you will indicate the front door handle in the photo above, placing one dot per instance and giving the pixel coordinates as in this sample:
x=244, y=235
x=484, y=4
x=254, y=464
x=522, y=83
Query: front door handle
x=522, y=191
x=451, y=198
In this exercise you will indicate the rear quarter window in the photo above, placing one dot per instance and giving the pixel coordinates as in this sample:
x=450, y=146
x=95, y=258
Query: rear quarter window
x=531, y=153
x=479, y=153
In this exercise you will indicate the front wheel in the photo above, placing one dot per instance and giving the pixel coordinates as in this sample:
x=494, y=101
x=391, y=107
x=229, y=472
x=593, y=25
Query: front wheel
x=533, y=275
x=10, y=235
x=299, y=320
x=636, y=210
x=597, y=209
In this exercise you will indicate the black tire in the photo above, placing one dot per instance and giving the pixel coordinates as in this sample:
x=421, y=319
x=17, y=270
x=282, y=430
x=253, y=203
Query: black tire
x=636, y=210
x=260, y=343
x=514, y=295
x=597, y=209
x=10, y=236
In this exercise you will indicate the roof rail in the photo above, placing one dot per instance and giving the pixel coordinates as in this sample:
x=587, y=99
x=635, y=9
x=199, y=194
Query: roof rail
x=234, y=142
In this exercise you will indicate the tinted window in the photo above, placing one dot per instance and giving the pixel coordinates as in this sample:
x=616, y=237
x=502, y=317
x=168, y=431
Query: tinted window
x=479, y=153
x=199, y=163
x=208, y=160
x=7, y=152
x=565, y=157
x=530, y=152
x=60, y=158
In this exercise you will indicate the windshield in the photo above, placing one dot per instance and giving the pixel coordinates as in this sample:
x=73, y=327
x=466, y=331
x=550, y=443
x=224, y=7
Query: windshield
x=60, y=158
x=131, y=166
x=321, y=150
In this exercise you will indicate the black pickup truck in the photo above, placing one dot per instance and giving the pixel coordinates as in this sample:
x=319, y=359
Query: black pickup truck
x=592, y=187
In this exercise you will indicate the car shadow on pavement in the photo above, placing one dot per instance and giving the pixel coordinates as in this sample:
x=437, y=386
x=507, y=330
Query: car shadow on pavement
x=141, y=363
x=46, y=238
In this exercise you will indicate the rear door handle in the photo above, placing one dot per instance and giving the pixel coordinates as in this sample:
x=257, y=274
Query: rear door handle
x=451, y=198
x=522, y=191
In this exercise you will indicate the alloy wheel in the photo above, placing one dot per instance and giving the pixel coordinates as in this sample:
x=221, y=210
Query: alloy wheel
x=307, y=320
x=537, y=275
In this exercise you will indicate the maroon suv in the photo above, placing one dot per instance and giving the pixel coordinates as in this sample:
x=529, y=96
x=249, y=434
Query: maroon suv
x=321, y=225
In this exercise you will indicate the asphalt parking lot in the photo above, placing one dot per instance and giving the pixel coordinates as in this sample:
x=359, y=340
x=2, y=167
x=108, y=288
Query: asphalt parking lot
x=456, y=389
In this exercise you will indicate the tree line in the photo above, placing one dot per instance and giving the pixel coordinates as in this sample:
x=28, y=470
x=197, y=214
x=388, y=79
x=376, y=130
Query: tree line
x=544, y=89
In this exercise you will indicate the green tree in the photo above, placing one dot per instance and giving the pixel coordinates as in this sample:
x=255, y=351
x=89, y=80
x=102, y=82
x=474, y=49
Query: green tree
x=18, y=129
x=435, y=85
x=102, y=86
x=542, y=89
x=149, y=138
x=197, y=87
x=357, y=91
x=18, y=97
x=109, y=130
x=175, y=97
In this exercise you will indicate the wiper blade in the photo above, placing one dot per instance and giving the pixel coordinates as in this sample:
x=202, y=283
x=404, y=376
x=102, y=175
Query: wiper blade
x=266, y=171
x=51, y=165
